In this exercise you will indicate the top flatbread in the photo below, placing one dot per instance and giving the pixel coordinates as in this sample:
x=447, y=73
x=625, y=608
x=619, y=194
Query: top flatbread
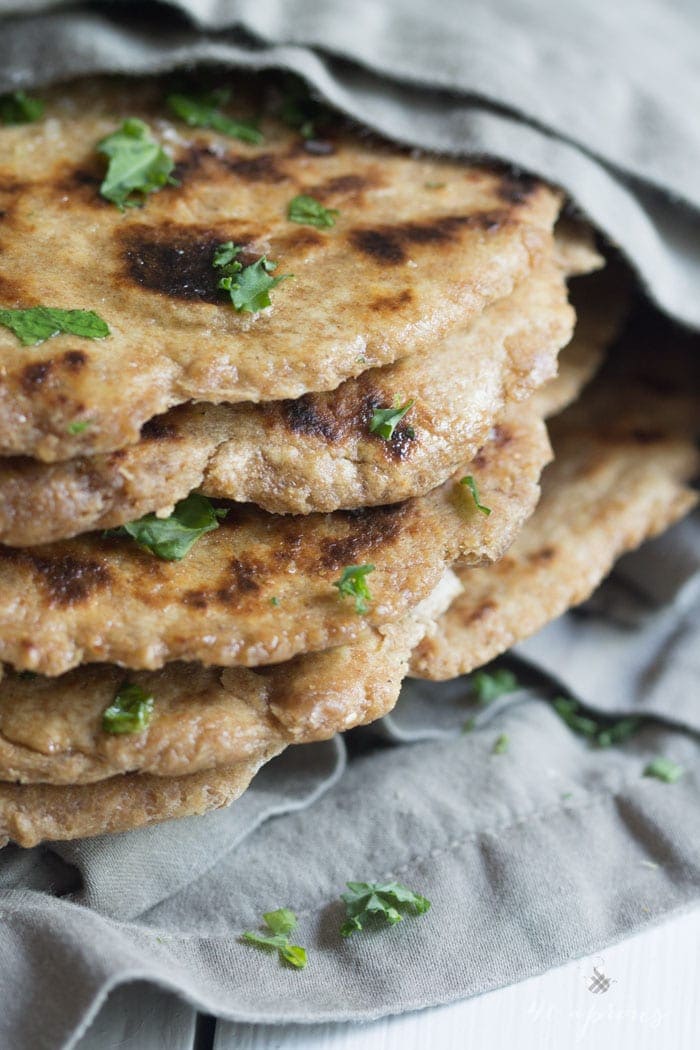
x=407, y=260
x=96, y=599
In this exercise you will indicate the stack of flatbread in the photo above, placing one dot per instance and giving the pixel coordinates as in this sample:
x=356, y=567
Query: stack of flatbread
x=226, y=530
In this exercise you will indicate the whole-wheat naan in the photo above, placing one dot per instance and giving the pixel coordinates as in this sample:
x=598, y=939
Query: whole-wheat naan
x=204, y=717
x=420, y=245
x=33, y=813
x=624, y=455
x=316, y=453
x=260, y=589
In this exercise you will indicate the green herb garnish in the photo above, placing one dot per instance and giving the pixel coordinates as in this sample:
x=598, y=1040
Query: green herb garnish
x=664, y=769
x=501, y=745
x=604, y=733
x=137, y=164
x=353, y=584
x=488, y=686
x=469, y=483
x=384, y=421
x=38, y=323
x=280, y=923
x=172, y=537
x=389, y=901
x=307, y=211
x=248, y=286
x=20, y=108
x=79, y=426
x=274, y=602
x=129, y=712
x=204, y=111
x=435, y=185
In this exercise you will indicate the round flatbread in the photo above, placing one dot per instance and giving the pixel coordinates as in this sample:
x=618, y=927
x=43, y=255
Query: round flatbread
x=420, y=245
x=316, y=453
x=624, y=455
x=261, y=588
x=51, y=729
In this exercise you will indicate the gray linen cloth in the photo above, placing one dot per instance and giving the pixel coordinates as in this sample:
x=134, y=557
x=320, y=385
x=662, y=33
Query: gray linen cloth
x=531, y=857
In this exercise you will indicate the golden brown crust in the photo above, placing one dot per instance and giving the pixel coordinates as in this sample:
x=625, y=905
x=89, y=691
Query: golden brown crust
x=34, y=813
x=316, y=453
x=96, y=599
x=51, y=728
x=403, y=265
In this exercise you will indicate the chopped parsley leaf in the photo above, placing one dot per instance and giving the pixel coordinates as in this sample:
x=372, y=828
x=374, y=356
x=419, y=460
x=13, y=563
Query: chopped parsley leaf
x=501, y=745
x=20, y=108
x=664, y=769
x=249, y=286
x=225, y=256
x=274, y=602
x=137, y=164
x=307, y=211
x=172, y=537
x=488, y=686
x=129, y=712
x=469, y=483
x=604, y=734
x=369, y=901
x=38, y=323
x=204, y=111
x=353, y=584
x=280, y=923
x=384, y=421
x=79, y=426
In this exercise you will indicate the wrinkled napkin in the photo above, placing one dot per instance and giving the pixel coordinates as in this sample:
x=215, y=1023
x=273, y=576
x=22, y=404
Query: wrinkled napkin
x=530, y=857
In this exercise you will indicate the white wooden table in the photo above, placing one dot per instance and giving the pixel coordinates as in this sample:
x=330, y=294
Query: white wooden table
x=651, y=1004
